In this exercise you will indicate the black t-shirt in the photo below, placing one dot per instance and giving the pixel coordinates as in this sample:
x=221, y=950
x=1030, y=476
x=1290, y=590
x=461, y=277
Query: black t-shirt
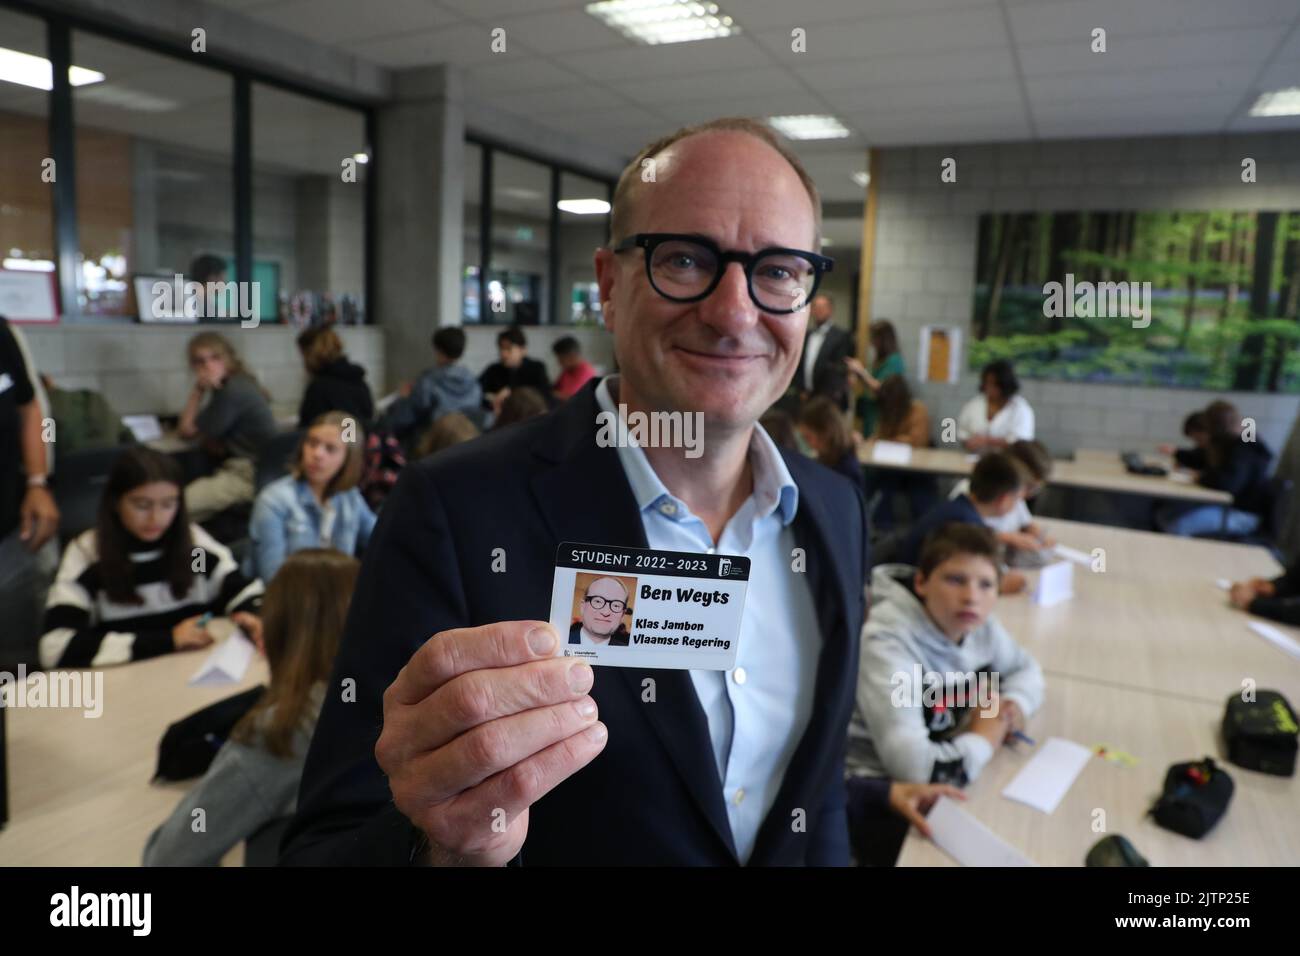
x=531, y=373
x=15, y=391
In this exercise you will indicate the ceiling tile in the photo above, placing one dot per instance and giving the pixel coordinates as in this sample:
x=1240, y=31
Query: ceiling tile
x=1124, y=52
x=460, y=44
x=669, y=59
x=1039, y=22
x=347, y=21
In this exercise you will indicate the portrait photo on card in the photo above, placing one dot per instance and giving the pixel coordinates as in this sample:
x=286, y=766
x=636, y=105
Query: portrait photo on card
x=602, y=608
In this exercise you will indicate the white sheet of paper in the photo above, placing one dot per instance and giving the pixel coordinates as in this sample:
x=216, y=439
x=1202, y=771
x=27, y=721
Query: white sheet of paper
x=227, y=663
x=1050, y=772
x=143, y=427
x=1055, y=584
x=1182, y=477
x=1275, y=637
x=891, y=452
x=968, y=841
x=1223, y=583
x=1074, y=554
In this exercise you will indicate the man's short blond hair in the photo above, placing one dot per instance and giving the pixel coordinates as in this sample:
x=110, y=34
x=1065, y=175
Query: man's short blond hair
x=631, y=175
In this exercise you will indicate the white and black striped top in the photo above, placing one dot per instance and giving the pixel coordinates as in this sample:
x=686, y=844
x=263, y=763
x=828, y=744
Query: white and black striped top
x=83, y=628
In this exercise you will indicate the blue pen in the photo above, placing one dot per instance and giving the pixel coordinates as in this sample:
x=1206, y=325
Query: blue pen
x=1019, y=736
x=203, y=621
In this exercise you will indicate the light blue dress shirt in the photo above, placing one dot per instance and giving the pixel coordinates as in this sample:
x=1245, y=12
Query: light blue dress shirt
x=758, y=712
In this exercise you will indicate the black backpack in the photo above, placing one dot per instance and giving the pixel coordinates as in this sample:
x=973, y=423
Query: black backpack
x=1261, y=734
x=1195, y=796
x=188, y=746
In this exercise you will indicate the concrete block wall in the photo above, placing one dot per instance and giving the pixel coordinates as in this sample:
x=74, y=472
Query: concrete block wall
x=141, y=369
x=927, y=232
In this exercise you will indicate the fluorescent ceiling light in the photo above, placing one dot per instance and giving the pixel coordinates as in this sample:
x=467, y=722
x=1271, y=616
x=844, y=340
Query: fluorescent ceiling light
x=862, y=177
x=1278, y=103
x=36, y=71
x=809, y=126
x=122, y=98
x=664, y=21
x=584, y=207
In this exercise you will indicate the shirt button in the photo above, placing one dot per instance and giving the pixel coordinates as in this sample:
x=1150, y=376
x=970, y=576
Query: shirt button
x=668, y=508
x=739, y=675
x=739, y=797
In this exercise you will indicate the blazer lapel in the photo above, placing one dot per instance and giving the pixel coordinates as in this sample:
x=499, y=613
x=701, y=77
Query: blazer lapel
x=586, y=498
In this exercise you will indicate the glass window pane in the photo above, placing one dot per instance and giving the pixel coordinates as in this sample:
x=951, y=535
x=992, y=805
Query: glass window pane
x=310, y=161
x=470, y=213
x=584, y=225
x=154, y=186
x=26, y=202
x=520, y=254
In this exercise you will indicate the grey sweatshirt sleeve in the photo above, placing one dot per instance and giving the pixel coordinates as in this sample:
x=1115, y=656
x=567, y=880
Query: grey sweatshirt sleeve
x=1019, y=676
x=244, y=789
x=896, y=720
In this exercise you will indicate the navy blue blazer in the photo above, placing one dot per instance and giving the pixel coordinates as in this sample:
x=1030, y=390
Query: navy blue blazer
x=653, y=796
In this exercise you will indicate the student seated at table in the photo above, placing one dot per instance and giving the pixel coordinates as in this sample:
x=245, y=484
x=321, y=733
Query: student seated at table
x=449, y=430
x=826, y=430
x=445, y=388
x=514, y=370
x=934, y=621
x=336, y=383
x=131, y=588
x=1196, y=426
x=233, y=425
x=253, y=780
x=1233, y=464
x=318, y=503
x=1017, y=528
x=1277, y=599
x=996, y=485
x=899, y=418
x=575, y=371
x=998, y=415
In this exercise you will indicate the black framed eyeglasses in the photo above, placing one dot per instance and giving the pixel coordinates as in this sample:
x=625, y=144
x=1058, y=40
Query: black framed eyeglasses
x=687, y=268
x=598, y=602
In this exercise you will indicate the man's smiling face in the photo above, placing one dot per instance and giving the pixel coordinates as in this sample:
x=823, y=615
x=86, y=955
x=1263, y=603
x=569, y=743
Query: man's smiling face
x=722, y=356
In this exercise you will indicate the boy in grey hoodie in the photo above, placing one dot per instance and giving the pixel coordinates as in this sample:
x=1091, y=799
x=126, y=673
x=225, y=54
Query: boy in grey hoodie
x=447, y=387
x=941, y=683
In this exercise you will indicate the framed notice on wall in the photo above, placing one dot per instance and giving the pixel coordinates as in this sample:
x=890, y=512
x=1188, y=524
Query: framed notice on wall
x=939, y=356
x=27, y=296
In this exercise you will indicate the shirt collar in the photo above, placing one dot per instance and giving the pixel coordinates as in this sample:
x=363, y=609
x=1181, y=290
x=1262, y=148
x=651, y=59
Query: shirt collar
x=774, y=487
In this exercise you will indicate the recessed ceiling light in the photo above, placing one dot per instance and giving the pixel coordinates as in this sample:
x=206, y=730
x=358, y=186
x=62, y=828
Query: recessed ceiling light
x=809, y=126
x=36, y=71
x=583, y=207
x=664, y=21
x=862, y=177
x=1278, y=103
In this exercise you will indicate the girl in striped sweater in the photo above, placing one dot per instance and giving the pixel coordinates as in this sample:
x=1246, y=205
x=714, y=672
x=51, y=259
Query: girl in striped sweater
x=143, y=581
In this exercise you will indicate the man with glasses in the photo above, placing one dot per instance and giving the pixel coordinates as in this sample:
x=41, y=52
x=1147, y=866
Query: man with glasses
x=603, y=605
x=493, y=750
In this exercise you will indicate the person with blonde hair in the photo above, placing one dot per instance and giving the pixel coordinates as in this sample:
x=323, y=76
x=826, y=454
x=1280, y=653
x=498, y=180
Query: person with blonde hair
x=336, y=383
x=318, y=503
x=228, y=412
x=253, y=780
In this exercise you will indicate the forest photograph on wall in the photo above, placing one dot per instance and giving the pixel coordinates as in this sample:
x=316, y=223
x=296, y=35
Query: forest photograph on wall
x=1180, y=299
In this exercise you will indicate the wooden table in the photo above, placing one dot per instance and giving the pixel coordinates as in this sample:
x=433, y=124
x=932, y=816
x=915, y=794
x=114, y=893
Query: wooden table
x=1261, y=826
x=1092, y=470
x=79, y=787
x=1155, y=618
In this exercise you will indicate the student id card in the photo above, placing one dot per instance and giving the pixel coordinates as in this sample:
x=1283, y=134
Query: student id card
x=636, y=607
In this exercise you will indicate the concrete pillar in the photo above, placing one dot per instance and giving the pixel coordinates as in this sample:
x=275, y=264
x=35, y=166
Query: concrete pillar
x=419, y=160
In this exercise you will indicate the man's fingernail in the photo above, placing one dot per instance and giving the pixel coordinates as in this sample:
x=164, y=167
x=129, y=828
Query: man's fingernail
x=586, y=708
x=541, y=640
x=596, y=733
x=580, y=677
